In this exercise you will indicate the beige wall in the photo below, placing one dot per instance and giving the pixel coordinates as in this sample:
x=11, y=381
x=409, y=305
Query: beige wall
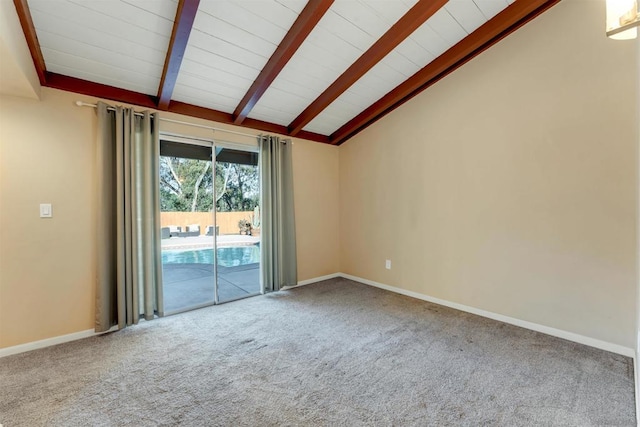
x=316, y=195
x=513, y=181
x=47, y=266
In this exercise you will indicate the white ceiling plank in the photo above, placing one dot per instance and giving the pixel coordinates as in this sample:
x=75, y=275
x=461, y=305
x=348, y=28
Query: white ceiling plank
x=295, y=5
x=398, y=62
x=232, y=14
x=208, y=61
x=63, y=28
x=204, y=93
x=365, y=18
x=289, y=106
x=491, y=8
x=241, y=38
x=107, y=80
x=272, y=116
x=166, y=9
x=347, y=30
x=203, y=101
x=125, y=12
x=431, y=41
x=42, y=10
x=342, y=108
x=298, y=87
x=222, y=48
x=306, y=73
x=287, y=101
x=415, y=53
x=466, y=13
x=448, y=28
x=327, y=124
x=323, y=40
x=390, y=11
x=207, y=72
x=379, y=77
x=211, y=84
x=53, y=42
x=103, y=72
x=273, y=12
x=263, y=112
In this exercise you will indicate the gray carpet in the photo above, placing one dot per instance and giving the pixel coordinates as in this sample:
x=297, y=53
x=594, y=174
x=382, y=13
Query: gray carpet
x=332, y=353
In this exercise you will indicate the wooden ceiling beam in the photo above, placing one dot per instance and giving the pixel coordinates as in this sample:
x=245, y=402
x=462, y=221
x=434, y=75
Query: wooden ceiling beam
x=98, y=90
x=497, y=28
x=72, y=84
x=403, y=28
x=29, y=30
x=503, y=24
x=297, y=34
x=226, y=118
x=182, y=25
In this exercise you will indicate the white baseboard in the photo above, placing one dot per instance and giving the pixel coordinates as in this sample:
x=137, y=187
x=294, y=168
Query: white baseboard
x=8, y=351
x=570, y=336
x=636, y=382
x=48, y=342
x=314, y=280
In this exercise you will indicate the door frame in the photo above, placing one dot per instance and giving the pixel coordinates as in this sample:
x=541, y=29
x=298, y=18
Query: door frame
x=213, y=144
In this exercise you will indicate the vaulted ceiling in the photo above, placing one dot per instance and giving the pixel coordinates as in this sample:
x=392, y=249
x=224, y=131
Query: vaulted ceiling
x=318, y=69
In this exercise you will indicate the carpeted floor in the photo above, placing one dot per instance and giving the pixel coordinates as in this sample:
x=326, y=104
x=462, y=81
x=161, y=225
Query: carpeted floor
x=333, y=353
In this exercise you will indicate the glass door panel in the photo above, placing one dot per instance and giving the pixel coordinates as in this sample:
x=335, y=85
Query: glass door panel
x=237, y=187
x=188, y=227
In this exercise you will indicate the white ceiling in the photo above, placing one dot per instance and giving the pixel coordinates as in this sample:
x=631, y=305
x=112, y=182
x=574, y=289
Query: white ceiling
x=123, y=43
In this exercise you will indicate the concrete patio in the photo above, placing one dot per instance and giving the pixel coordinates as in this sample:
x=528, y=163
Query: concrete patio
x=203, y=241
x=190, y=285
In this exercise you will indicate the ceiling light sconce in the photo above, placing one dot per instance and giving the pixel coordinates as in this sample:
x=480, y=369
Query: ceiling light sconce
x=623, y=19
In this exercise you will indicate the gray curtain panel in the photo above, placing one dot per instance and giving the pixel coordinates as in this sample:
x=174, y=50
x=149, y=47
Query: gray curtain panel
x=129, y=275
x=278, y=235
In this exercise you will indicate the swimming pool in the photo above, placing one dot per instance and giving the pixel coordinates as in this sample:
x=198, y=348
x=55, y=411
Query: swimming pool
x=227, y=257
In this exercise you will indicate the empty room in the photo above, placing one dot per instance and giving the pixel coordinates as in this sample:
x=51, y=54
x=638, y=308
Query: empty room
x=319, y=212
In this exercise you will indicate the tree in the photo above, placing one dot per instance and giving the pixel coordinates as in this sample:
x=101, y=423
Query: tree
x=188, y=185
x=242, y=192
x=185, y=185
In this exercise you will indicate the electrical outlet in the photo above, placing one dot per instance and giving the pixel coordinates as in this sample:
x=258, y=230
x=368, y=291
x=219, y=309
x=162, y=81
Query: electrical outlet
x=387, y=264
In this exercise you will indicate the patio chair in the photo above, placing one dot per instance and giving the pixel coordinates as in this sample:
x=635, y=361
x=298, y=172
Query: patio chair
x=174, y=230
x=210, y=229
x=193, y=230
x=165, y=233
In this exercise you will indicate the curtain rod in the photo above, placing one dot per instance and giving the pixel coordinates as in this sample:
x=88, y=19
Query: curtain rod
x=85, y=104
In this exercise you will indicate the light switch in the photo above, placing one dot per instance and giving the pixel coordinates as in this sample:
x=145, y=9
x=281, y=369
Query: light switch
x=45, y=210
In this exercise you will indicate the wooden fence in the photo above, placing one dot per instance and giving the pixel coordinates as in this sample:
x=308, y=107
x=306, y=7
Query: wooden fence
x=226, y=221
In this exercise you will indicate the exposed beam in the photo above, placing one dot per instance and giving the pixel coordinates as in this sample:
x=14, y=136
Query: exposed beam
x=29, y=30
x=85, y=87
x=72, y=84
x=182, y=25
x=222, y=117
x=402, y=29
x=503, y=24
x=305, y=23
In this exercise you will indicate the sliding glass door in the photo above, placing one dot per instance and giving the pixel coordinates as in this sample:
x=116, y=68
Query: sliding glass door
x=186, y=205
x=238, y=218
x=209, y=199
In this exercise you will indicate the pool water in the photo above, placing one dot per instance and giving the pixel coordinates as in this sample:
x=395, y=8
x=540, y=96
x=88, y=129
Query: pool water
x=227, y=257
